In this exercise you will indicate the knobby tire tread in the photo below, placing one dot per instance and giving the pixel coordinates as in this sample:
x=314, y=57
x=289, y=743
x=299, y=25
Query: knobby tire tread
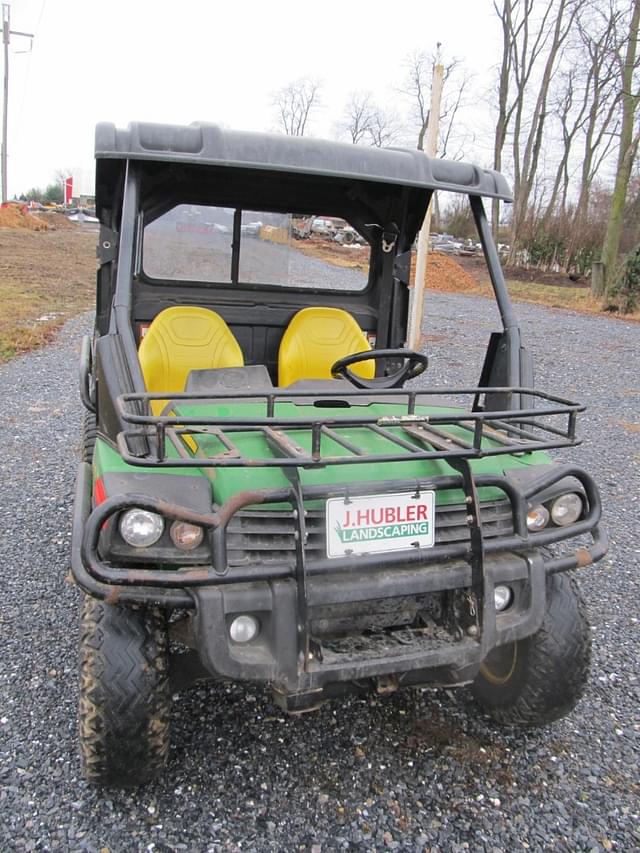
x=124, y=706
x=556, y=661
x=89, y=434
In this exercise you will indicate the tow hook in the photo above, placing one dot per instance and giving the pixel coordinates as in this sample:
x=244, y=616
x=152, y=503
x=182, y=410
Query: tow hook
x=474, y=628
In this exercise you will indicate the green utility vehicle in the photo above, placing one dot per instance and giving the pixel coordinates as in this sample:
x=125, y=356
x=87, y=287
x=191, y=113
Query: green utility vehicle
x=265, y=494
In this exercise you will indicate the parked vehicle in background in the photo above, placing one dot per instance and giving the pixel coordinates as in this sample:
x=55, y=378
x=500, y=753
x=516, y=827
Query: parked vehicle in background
x=323, y=227
x=252, y=229
x=347, y=236
x=446, y=244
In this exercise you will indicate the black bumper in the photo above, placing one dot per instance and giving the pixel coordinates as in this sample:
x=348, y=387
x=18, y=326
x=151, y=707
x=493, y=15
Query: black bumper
x=278, y=656
x=282, y=653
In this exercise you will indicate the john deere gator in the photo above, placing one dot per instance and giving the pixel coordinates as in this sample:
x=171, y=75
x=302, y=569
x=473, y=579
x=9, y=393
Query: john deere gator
x=270, y=489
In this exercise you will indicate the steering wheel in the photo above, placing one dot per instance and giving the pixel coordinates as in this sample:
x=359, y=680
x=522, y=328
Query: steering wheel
x=414, y=364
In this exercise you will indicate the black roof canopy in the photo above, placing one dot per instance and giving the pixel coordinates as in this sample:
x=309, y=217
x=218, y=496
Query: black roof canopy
x=202, y=144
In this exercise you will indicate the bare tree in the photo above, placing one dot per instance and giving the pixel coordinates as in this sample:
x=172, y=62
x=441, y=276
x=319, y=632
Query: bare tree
x=551, y=34
x=534, y=34
x=384, y=128
x=570, y=107
x=357, y=117
x=294, y=104
x=627, y=150
x=417, y=88
x=509, y=33
x=521, y=49
x=453, y=138
x=597, y=117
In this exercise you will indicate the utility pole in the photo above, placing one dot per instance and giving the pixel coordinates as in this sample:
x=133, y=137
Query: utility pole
x=7, y=32
x=431, y=146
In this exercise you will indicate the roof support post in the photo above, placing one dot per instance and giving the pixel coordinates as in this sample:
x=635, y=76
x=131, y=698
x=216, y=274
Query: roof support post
x=127, y=252
x=509, y=319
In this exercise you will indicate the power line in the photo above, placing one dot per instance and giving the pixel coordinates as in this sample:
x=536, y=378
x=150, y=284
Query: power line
x=25, y=87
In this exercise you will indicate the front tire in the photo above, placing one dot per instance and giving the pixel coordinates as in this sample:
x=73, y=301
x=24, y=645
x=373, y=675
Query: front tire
x=125, y=701
x=539, y=679
x=89, y=435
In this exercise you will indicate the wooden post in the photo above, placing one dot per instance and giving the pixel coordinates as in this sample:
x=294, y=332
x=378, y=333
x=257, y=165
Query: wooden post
x=416, y=307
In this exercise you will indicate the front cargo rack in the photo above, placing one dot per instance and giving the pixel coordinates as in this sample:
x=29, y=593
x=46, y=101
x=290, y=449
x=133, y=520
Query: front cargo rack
x=424, y=424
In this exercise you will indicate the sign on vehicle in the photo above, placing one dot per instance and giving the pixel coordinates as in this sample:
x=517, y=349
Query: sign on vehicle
x=374, y=523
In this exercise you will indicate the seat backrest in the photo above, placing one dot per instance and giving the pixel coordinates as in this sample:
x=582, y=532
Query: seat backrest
x=184, y=338
x=315, y=339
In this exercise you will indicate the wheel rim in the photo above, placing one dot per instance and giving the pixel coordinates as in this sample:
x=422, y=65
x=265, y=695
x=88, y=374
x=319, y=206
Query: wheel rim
x=499, y=665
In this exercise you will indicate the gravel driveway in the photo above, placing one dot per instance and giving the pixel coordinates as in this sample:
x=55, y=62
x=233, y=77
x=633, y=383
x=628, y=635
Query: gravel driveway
x=419, y=770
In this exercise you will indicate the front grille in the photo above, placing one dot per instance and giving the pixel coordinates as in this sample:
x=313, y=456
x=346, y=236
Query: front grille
x=267, y=537
x=376, y=614
x=385, y=644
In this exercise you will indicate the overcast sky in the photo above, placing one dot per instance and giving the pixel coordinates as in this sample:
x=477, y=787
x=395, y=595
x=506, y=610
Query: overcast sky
x=151, y=60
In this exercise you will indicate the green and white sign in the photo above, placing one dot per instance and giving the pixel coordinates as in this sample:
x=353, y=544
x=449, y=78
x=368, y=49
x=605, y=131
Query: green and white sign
x=376, y=523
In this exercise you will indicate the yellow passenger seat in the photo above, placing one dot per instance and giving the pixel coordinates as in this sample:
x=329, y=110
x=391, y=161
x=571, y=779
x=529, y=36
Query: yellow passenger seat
x=181, y=339
x=315, y=339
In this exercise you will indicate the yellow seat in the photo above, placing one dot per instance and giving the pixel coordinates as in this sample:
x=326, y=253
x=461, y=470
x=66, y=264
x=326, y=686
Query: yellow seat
x=181, y=339
x=315, y=339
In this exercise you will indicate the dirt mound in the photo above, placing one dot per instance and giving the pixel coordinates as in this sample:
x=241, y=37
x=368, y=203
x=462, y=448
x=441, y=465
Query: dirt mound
x=15, y=217
x=444, y=273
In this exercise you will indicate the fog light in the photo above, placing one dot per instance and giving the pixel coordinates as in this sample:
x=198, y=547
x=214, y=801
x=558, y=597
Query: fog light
x=243, y=629
x=537, y=518
x=566, y=509
x=503, y=596
x=141, y=528
x=185, y=536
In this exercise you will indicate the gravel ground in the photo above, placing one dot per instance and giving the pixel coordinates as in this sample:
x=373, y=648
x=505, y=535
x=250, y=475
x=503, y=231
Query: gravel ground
x=417, y=771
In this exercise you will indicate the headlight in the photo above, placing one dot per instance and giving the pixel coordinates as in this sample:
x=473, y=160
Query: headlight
x=185, y=536
x=537, y=518
x=244, y=628
x=503, y=596
x=566, y=509
x=140, y=528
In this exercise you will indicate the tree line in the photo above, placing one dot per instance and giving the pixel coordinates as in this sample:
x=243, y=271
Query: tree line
x=565, y=129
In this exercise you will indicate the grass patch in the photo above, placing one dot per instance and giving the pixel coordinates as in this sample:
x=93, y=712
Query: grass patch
x=574, y=298
x=45, y=278
x=27, y=321
x=552, y=296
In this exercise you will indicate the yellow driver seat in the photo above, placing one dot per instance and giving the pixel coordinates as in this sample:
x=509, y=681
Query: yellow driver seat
x=315, y=339
x=181, y=339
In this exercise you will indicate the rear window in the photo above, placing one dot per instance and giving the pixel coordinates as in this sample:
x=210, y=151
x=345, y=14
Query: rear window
x=195, y=243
